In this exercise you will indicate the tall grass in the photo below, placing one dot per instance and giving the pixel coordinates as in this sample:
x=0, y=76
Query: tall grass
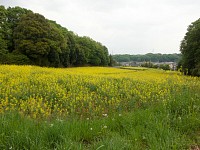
x=171, y=125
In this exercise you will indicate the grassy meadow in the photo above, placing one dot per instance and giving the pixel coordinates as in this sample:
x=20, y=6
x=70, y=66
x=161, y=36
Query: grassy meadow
x=98, y=108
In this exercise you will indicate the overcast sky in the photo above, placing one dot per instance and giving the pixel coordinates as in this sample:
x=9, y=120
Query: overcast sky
x=124, y=26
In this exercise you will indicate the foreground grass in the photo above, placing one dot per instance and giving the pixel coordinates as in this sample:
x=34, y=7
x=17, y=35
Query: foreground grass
x=97, y=108
x=173, y=125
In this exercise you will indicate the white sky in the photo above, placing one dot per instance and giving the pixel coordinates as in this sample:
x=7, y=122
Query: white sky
x=123, y=26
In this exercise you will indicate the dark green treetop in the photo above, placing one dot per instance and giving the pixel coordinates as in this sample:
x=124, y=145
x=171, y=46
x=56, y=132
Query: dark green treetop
x=190, y=49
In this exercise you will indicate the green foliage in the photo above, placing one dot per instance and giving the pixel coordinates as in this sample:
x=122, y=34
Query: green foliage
x=31, y=37
x=160, y=66
x=148, y=65
x=164, y=67
x=14, y=58
x=3, y=42
x=44, y=42
x=148, y=57
x=3, y=47
x=13, y=17
x=89, y=52
x=190, y=49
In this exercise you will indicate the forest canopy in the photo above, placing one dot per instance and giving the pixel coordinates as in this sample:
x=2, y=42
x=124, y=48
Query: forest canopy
x=29, y=38
x=148, y=58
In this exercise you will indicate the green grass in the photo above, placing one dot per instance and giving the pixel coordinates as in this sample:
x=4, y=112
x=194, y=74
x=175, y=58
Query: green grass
x=168, y=125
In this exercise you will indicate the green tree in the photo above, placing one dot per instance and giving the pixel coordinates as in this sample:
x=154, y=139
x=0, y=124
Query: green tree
x=27, y=37
x=31, y=37
x=3, y=42
x=63, y=40
x=72, y=46
x=105, y=56
x=111, y=61
x=90, y=52
x=148, y=57
x=81, y=58
x=42, y=41
x=164, y=67
x=14, y=15
x=2, y=46
x=190, y=49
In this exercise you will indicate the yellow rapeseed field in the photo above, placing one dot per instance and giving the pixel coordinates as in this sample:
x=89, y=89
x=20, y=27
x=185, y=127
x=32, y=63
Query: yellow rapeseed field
x=88, y=91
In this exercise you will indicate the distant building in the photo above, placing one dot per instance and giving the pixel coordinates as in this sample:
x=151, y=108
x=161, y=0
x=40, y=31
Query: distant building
x=131, y=64
x=172, y=65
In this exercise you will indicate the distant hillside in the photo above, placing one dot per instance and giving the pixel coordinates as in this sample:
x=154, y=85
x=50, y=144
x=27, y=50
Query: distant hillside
x=147, y=57
x=29, y=38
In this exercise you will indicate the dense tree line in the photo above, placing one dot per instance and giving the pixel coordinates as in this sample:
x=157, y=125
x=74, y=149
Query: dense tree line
x=148, y=58
x=29, y=38
x=190, y=49
x=156, y=66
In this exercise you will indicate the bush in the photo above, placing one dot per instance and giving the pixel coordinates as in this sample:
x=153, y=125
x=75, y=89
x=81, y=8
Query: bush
x=14, y=58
